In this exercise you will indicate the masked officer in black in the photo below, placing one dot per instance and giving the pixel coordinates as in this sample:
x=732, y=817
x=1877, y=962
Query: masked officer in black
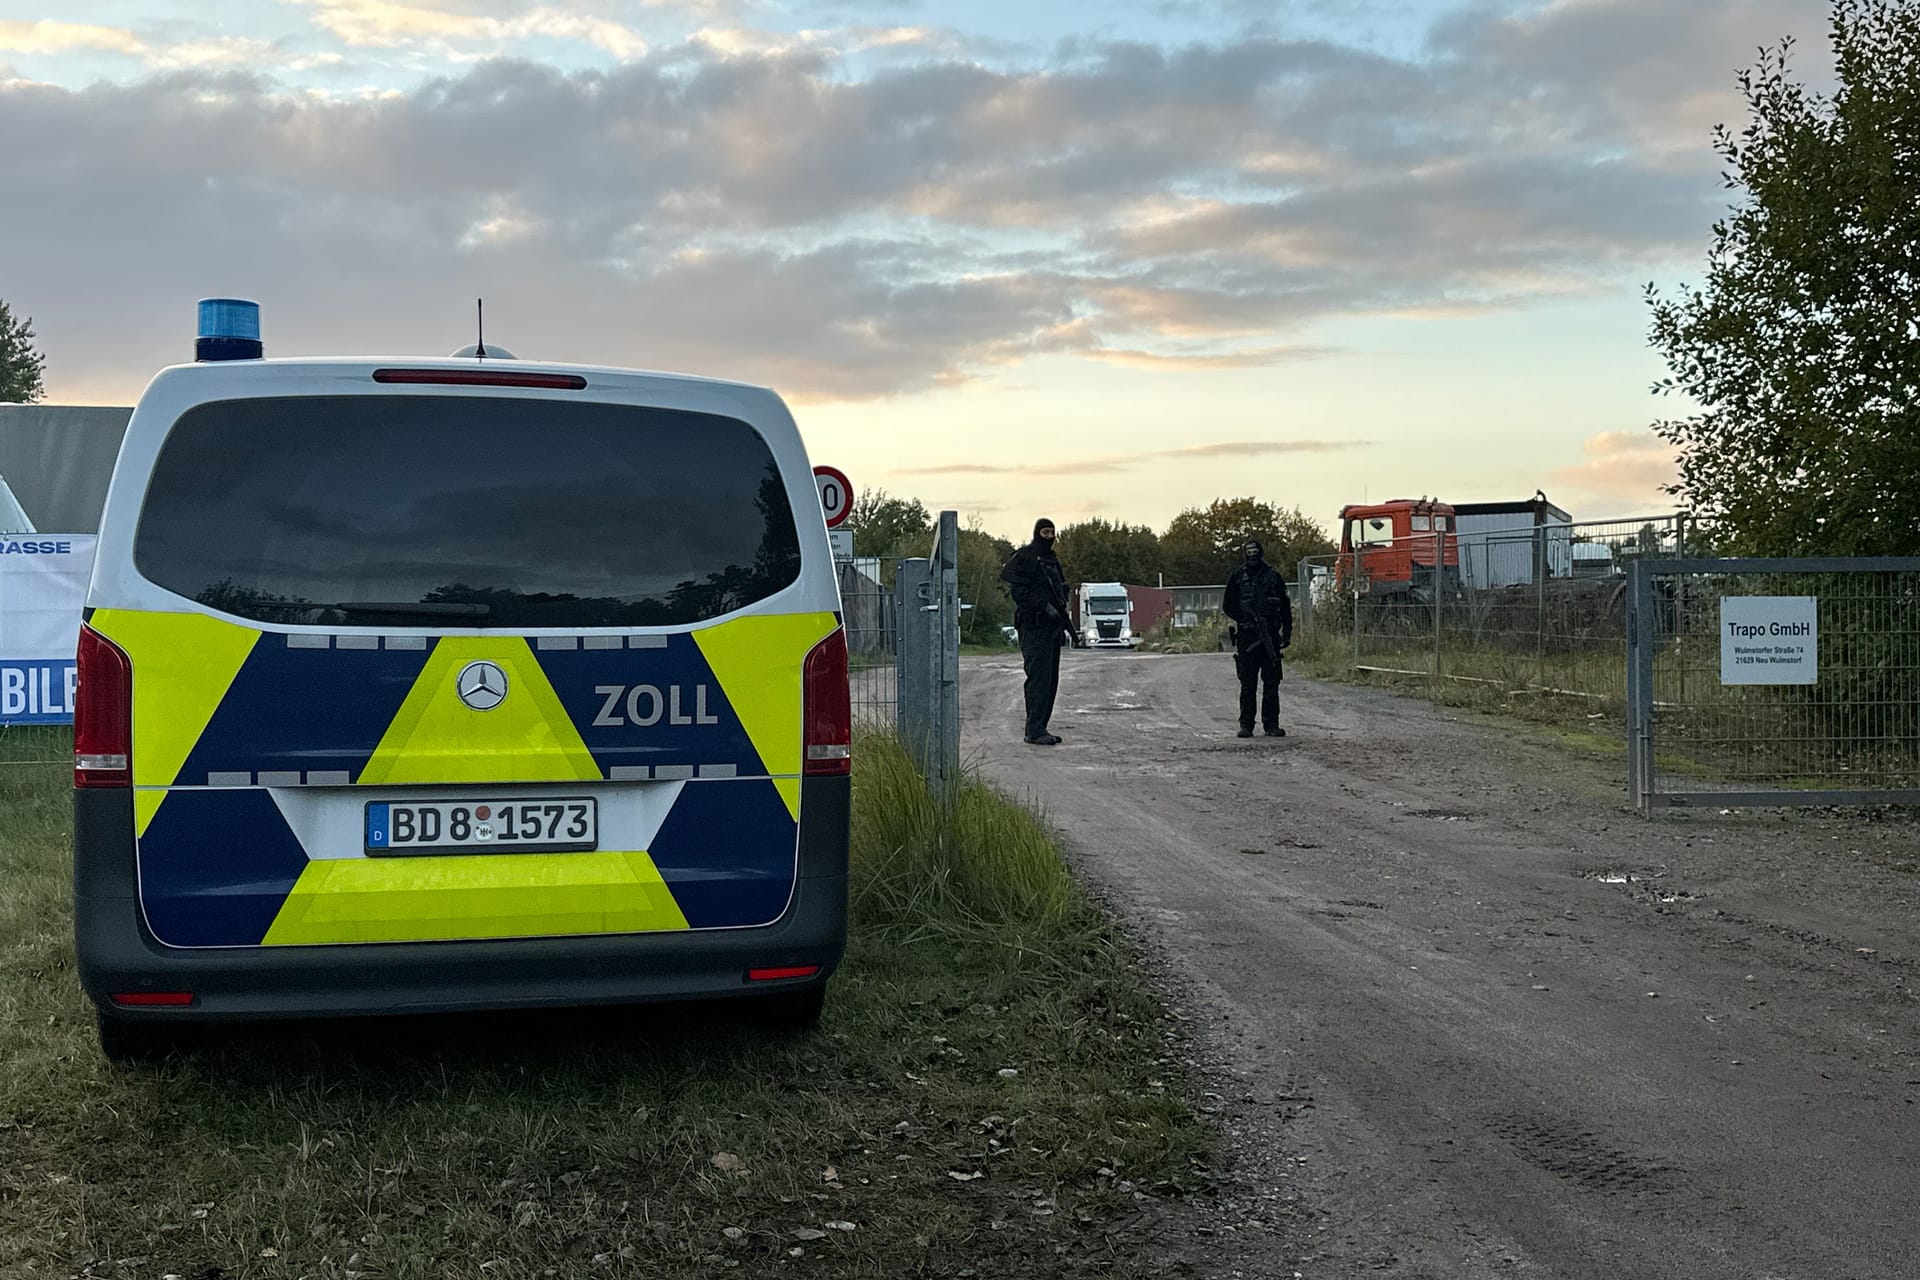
x=1262, y=617
x=1039, y=591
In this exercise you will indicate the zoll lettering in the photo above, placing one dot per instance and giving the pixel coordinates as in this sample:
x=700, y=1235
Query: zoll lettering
x=646, y=705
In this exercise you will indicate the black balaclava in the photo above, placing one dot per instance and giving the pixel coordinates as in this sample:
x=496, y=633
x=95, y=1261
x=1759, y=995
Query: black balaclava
x=1255, y=552
x=1045, y=544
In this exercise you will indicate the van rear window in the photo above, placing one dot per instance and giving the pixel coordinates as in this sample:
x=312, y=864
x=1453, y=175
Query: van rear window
x=481, y=511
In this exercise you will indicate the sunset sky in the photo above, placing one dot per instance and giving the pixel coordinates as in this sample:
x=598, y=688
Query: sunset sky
x=1054, y=256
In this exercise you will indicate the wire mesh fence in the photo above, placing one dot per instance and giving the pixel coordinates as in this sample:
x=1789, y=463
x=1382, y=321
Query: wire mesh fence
x=36, y=746
x=902, y=619
x=1536, y=608
x=871, y=615
x=1775, y=682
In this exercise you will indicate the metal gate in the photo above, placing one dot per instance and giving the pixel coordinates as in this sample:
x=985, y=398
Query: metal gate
x=927, y=690
x=903, y=645
x=1773, y=681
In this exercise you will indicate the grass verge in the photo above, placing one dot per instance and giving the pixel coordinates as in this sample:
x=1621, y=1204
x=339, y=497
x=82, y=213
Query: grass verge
x=991, y=1092
x=1594, y=727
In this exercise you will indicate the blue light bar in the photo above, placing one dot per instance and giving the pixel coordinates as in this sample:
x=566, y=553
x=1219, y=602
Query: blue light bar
x=229, y=330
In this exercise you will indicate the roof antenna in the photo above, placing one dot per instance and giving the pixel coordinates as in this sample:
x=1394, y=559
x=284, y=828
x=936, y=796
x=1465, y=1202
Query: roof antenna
x=480, y=327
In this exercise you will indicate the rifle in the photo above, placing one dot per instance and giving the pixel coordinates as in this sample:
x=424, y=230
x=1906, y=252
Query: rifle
x=1263, y=627
x=1266, y=638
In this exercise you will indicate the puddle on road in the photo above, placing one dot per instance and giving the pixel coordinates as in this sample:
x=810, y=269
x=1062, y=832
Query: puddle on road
x=1642, y=878
x=1622, y=875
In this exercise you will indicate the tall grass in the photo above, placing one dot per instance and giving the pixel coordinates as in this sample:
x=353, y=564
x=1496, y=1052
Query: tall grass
x=979, y=870
x=1208, y=635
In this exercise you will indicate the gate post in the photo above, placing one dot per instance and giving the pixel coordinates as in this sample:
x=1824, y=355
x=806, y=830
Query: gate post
x=912, y=595
x=943, y=631
x=1439, y=589
x=1540, y=603
x=1640, y=634
x=927, y=669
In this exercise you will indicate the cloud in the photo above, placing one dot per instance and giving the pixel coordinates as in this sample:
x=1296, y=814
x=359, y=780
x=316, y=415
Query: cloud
x=385, y=24
x=1206, y=361
x=1627, y=468
x=1090, y=466
x=46, y=37
x=844, y=226
x=227, y=51
x=1110, y=463
x=1260, y=448
x=1655, y=72
x=752, y=42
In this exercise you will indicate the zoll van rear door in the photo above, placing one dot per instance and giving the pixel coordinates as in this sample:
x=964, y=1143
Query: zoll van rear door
x=430, y=662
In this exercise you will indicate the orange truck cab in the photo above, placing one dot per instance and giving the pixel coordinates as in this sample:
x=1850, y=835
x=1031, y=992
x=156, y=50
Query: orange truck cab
x=1389, y=549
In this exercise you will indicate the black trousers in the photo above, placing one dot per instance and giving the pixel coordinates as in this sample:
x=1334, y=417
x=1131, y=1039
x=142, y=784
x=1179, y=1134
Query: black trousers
x=1258, y=667
x=1040, y=654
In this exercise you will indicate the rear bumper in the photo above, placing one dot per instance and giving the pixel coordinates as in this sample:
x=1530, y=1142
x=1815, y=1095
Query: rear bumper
x=116, y=953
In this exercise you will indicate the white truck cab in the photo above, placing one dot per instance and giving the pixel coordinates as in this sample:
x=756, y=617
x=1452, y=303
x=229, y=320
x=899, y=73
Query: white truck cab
x=1105, y=616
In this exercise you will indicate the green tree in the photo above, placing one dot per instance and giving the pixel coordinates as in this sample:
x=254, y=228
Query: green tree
x=981, y=558
x=1203, y=544
x=1802, y=348
x=1102, y=551
x=884, y=525
x=1295, y=536
x=21, y=364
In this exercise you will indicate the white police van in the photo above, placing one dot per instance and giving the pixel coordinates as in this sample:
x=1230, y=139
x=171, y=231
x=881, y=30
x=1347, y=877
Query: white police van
x=464, y=683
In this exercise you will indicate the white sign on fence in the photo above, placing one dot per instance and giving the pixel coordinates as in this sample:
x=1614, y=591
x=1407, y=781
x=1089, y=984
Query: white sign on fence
x=43, y=583
x=1769, y=639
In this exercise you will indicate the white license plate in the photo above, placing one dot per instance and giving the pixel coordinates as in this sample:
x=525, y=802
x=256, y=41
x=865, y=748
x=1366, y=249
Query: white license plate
x=562, y=824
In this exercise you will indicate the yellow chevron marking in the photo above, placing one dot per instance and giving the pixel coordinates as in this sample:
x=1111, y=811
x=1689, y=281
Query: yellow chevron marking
x=183, y=665
x=757, y=661
x=475, y=896
x=437, y=738
x=789, y=789
x=146, y=803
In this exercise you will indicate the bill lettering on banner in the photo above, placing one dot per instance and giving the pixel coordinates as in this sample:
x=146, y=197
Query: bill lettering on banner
x=43, y=586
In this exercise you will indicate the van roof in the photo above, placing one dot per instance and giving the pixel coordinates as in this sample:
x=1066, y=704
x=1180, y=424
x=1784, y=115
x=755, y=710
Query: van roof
x=282, y=365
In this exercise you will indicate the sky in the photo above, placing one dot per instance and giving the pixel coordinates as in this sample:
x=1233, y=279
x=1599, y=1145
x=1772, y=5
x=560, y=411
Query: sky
x=1012, y=257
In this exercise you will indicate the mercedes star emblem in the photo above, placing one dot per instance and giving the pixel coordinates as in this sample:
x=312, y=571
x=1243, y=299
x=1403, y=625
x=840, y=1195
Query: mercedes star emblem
x=482, y=685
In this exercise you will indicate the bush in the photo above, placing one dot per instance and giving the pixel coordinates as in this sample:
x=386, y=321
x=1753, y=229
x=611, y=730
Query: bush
x=1209, y=635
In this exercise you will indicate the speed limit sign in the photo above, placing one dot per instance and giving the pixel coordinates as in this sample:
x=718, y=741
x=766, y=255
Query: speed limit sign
x=836, y=494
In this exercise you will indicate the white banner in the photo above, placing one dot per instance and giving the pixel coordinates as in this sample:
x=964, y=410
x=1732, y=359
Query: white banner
x=43, y=584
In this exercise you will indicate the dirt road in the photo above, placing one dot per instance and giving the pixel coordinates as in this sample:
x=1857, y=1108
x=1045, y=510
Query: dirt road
x=1481, y=1020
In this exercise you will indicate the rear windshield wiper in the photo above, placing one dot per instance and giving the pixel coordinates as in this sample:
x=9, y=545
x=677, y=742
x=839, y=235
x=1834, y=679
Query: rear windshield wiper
x=423, y=608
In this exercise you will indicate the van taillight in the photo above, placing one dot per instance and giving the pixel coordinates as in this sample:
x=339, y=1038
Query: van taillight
x=829, y=709
x=102, y=714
